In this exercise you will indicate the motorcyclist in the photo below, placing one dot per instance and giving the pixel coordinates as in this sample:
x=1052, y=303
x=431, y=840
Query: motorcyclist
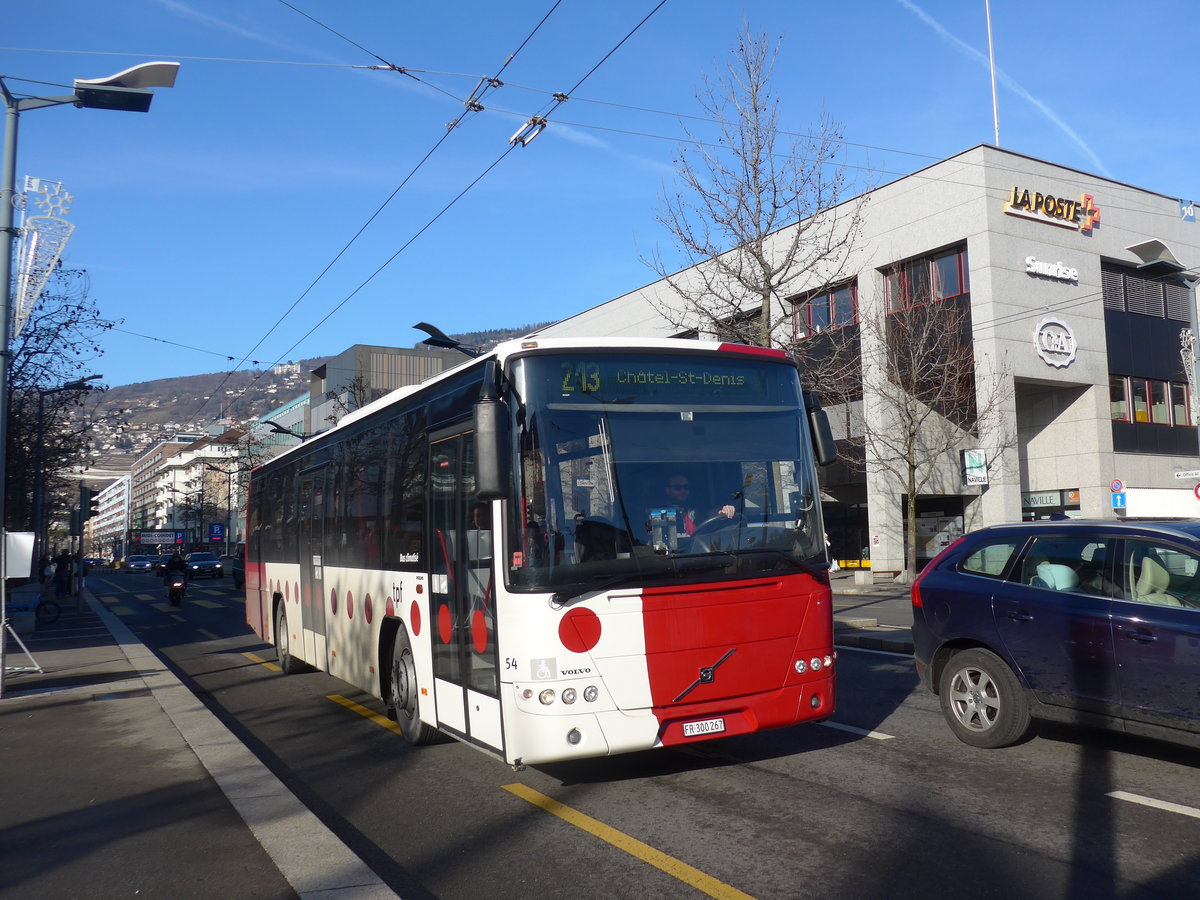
x=174, y=565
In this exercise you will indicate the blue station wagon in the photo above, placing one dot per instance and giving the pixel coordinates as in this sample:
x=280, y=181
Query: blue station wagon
x=1087, y=622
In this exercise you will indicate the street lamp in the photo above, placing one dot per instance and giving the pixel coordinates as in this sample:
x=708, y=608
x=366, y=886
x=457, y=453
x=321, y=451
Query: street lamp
x=126, y=90
x=279, y=429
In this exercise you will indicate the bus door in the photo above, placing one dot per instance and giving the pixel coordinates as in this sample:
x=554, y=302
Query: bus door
x=310, y=516
x=462, y=596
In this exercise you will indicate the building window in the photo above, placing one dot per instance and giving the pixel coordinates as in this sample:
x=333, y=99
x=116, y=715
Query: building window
x=941, y=276
x=1148, y=401
x=1118, y=398
x=831, y=308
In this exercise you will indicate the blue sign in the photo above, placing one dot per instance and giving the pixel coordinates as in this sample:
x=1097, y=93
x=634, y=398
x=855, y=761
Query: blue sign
x=180, y=537
x=1187, y=210
x=1119, y=500
x=216, y=532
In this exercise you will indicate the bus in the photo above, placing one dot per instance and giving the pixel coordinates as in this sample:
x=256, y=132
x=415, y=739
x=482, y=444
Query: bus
x=494, y=553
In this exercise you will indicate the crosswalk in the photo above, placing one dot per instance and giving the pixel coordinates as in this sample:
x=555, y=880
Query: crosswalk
x=205, y=598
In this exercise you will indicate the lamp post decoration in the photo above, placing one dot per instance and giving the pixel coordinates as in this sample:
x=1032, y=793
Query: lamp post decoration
x=43, y=239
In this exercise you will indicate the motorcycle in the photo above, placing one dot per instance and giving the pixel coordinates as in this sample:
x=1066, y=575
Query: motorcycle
x=176, y=587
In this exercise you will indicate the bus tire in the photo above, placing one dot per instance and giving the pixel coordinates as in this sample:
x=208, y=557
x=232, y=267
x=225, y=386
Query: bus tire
x=404, y=694
x=288, y=664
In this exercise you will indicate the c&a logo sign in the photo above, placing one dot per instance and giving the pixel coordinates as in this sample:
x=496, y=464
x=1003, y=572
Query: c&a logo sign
x=1079, y=215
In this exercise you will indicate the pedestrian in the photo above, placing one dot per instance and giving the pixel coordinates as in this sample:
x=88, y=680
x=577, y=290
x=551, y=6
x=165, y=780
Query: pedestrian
x=62, y=574
x=833, y=566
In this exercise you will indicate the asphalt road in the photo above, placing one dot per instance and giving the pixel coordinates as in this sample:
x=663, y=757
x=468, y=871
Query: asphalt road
x=883, y=801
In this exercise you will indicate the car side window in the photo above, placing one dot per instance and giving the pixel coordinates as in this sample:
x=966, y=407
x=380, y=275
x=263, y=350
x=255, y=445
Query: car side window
x=991, y=559
x=1160, y=574
x=1076, y=565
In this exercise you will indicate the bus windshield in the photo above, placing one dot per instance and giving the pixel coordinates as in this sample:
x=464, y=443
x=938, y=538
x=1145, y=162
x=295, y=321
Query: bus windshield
x=658, y=468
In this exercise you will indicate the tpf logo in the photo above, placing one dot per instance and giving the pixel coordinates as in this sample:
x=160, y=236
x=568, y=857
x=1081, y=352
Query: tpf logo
x=1055, y=342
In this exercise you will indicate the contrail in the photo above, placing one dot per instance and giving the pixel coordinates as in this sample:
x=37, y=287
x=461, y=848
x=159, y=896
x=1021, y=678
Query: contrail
x=1008, y=82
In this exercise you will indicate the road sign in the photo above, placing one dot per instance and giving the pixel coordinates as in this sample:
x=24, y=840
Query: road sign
x=1196, y=491
x=216, y=532
x=1190, y=473
x=1118, y=499
x=1117, y=486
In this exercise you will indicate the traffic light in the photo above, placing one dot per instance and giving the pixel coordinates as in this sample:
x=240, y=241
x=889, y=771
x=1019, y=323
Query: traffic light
x=89, y=503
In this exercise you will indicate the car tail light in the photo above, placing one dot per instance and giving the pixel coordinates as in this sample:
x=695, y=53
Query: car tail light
x=916, y=585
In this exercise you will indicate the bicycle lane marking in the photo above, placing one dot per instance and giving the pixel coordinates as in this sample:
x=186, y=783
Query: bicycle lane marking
x=670, y=865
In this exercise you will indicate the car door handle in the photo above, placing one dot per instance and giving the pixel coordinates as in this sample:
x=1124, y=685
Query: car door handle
x=1020, y=616
x=1140, y=635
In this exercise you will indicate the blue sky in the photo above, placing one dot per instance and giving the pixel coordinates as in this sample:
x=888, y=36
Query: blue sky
x=203, y=222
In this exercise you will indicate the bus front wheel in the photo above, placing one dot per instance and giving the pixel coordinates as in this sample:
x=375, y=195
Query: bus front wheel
x=403, y=693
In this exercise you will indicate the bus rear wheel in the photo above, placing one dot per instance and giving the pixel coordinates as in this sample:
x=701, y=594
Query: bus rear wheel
x=288, y=664
x=404, y=694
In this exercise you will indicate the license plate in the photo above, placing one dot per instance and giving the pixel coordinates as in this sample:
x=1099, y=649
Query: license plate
x=708, y=726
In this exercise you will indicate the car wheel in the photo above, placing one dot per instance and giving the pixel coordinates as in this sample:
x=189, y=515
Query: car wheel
x=982, y=700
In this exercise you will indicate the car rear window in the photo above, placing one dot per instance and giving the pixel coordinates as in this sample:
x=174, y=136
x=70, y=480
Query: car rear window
x=992, y=558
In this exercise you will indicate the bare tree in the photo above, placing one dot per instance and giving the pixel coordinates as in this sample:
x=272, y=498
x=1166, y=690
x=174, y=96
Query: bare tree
x=756, y=212
x=922, y=398
x=48, y=429
x=357, y=394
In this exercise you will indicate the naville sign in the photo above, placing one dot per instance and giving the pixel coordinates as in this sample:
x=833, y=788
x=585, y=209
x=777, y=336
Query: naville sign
x=974, y=466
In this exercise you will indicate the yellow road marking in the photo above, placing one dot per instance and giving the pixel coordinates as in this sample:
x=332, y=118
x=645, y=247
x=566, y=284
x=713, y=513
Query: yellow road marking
x=163, y=607
x=143, y=597
x=110, y=600
x=265, y=663
x=207, y=634
x=382, y=721
x=207, y=604
x=647, y=854
x=122, y=611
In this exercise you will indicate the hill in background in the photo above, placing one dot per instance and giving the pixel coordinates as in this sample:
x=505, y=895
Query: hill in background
x=133, y=418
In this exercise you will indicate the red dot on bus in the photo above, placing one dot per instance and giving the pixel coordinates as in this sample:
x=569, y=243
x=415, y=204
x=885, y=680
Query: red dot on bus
x=333, y=601
x=414, y=618
x=368, y=609
x=287, y=591
x=445, y=624
x=296, y=592
x=579, y=630
x=349, y=605
x=479, y=633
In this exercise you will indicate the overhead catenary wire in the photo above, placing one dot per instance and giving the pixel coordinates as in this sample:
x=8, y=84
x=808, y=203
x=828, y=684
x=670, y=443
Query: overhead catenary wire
x=468, y=109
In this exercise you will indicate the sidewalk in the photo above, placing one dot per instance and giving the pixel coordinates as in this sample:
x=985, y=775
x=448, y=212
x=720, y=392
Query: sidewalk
x=117, y=781
x=871, y=616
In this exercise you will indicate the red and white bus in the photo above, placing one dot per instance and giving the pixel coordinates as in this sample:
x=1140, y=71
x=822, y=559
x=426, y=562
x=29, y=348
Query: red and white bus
x=494, y=553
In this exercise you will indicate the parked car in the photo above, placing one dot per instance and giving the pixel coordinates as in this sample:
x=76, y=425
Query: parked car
x=137, y=563
x=203, y=564
x=1088, y=622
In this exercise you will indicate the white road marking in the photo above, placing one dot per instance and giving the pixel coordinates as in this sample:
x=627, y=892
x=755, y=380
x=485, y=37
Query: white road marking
x=878, y=735
x=1156, y=804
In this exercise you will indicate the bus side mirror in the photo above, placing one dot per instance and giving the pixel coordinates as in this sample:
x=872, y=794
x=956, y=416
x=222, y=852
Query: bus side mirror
x=824, y=446
x=493, y=449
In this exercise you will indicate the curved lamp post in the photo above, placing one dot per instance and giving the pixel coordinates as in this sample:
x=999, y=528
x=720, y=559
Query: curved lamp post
x=126, y=90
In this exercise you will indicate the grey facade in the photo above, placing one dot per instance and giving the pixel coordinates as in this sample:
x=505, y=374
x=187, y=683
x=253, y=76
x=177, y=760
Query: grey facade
x=1077, y=308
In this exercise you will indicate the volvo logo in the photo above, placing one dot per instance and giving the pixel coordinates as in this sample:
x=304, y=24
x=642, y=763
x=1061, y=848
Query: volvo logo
x=708, y=674
x=1055, y=342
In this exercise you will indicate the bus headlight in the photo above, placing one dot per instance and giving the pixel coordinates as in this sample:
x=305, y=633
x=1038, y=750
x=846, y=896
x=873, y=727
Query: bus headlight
x=590, y=693
x=815, y=664
x=546, y=697
x=569, y=695
x=828, y=661
x=801, y=667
